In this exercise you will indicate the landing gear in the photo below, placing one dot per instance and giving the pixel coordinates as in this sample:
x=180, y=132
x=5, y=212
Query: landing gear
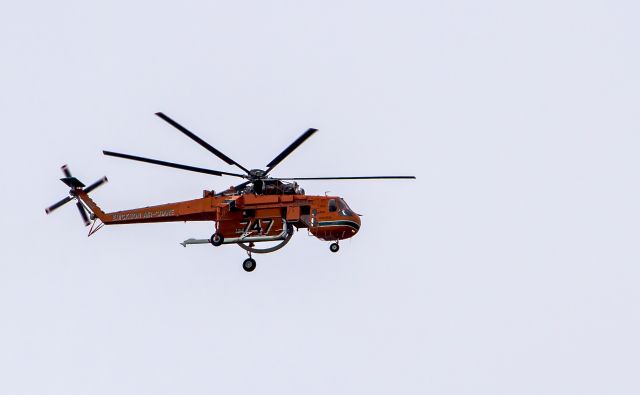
x=334, y=247
x=217, y=239
x=249, y=265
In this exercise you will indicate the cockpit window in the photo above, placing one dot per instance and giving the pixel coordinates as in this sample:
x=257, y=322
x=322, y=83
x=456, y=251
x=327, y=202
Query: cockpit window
x=345, y=211
x=343, y=204
x=332, y=205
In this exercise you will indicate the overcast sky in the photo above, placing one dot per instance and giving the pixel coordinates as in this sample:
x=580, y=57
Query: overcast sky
x=510, y=266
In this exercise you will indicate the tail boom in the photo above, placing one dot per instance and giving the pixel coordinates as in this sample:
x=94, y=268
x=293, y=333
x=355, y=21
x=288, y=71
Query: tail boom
x=191, y=210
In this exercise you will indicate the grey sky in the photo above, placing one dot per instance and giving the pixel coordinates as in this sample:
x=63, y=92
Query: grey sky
x=509, y=267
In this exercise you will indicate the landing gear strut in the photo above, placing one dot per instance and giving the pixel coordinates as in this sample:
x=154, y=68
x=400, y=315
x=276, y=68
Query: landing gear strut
x=334, y=247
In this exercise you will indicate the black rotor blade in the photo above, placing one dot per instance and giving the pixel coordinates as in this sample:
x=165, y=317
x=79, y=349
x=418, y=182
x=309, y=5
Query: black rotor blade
x=237, y=187
x=95, y=184
x=66, y=171
x=83, y=214
x=200, y=141
x=290, y=148
x=170, y=164
x=66, y=200
x=349, y=178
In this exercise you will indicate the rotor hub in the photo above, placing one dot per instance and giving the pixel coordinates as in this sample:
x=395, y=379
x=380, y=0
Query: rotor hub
x=257, y=173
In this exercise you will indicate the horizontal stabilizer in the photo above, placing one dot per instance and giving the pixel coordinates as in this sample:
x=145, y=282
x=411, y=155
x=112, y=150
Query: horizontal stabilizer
x=72, y=182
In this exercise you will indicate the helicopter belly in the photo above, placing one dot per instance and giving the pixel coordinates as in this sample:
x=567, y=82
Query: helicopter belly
x=335, y=230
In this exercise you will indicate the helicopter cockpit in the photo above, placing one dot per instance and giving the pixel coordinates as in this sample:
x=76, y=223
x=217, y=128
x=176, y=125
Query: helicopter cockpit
x=341, y=207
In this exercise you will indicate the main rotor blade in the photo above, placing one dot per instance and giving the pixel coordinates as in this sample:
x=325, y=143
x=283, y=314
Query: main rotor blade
x=237, y=187
x=48, y=210
x=95, y=184
x=290, y=148
x=83, y=214
x=349, y=178
x=170, y=164
x=200, y=141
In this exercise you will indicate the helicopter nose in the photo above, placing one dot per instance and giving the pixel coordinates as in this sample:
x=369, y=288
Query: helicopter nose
x=356, y=218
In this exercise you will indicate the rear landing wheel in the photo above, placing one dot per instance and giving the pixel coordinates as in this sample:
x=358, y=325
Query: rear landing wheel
x=249, y=265
x=217, y=239
x=334, y=247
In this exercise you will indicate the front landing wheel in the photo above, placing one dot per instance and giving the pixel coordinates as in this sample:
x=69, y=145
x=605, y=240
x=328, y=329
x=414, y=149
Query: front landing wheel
x=249, y=265
x=334, y=247
x=217, y=239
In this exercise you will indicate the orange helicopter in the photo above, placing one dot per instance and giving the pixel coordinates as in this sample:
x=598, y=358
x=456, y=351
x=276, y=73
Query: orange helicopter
x=261, y=209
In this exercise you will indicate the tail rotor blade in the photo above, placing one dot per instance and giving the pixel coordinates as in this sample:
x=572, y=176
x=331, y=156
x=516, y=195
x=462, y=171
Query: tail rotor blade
x=65, y=170
x=60, y=203
x=83, y=214
x=95, y=184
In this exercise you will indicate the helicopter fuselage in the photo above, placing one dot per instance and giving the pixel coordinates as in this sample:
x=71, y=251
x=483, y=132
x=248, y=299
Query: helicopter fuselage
x=240, y=216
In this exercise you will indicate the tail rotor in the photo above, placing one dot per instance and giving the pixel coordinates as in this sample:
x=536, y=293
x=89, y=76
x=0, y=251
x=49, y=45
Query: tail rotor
x=59, y=204
x=83, y=214
x=76, y=186
x=95, y=185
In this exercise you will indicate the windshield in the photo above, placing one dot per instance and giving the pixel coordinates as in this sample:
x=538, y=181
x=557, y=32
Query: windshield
x=345, y=210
